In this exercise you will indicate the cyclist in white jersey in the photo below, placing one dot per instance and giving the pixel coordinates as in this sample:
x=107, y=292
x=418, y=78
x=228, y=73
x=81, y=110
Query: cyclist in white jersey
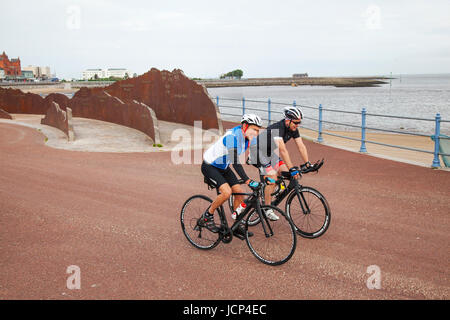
x=217, y=160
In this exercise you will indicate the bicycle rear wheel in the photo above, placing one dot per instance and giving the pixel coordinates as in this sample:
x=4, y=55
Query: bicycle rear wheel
x=311, y=214
x=191, y=213
x=273, y=242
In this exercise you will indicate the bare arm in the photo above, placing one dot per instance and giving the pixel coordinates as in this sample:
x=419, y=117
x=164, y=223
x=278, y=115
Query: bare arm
x=284, y=154
x=302, y=149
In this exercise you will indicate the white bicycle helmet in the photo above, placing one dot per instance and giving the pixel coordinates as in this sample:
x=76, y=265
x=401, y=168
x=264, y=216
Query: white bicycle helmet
x=293, y=113
x=252, y=119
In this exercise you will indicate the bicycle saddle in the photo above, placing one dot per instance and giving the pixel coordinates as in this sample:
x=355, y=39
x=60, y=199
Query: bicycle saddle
x=211, y=183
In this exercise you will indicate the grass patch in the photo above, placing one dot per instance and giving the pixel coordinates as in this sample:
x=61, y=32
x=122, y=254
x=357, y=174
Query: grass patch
x=159, y=145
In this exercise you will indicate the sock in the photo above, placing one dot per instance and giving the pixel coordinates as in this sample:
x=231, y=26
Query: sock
x=207, y=214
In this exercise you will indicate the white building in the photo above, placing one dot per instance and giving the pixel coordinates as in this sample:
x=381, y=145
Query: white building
x=106, y=73
x=2, y=73
x=91, y=73
x=117, y=72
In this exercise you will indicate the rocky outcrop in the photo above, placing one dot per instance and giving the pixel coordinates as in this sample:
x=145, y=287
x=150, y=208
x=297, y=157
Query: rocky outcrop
x=61, y=99
x=16, y=101
x=172, y=95
x=136, y=102
x=59, y=119
x=100, y=105
x=5, y=115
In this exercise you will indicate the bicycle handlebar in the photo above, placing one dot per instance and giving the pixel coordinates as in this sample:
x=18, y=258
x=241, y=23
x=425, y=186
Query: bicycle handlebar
x=287, y=175
x=303, y=169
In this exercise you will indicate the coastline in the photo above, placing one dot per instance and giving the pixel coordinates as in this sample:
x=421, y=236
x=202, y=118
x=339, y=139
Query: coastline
x=220, y=83
x=307, y=81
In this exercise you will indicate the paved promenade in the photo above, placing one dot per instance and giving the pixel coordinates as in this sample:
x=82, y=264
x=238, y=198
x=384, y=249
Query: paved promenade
x=100, y=136
x=116, y=216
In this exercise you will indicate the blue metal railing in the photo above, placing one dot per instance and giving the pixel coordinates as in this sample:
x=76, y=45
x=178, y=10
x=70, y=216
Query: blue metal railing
x=266, y=111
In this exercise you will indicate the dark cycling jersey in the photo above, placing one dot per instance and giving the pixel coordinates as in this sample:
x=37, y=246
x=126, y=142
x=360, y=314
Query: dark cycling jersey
x=264, y=143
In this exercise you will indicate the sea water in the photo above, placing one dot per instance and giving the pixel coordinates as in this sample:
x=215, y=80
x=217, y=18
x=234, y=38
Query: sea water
x=416, y=96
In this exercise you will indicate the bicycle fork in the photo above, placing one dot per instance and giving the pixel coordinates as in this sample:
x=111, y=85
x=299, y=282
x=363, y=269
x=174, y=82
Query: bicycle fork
x=306, y=210
x=264, y=221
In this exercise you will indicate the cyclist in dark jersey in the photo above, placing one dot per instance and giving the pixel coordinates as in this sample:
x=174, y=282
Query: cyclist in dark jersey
x=269, y=153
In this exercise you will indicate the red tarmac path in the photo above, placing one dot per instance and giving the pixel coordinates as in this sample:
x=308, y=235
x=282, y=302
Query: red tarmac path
x=116, y=216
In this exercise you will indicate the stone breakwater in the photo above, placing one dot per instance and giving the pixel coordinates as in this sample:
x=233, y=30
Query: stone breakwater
x=309, y=81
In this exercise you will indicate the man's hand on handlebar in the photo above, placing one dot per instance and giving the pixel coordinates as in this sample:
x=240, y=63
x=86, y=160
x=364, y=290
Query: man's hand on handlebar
x=252, y=183
x=269, y=180
x=305, y=166
x=308, y=167
x=294, y=172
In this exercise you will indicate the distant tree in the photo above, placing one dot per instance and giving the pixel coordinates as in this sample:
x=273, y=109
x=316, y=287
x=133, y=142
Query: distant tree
x=238, y=73
x=126, y=76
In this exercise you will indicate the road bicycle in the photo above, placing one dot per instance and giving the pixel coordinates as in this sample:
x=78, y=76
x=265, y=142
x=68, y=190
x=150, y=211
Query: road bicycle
x=271, y=242
x=305, y=206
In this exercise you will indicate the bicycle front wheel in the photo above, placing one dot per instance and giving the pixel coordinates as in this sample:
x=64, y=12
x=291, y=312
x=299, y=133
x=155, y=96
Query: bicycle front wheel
x=273, y=242
x=191, y=213
x=310, y=214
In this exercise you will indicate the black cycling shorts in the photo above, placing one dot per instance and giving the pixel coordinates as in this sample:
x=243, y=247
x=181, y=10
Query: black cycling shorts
x=219, y=176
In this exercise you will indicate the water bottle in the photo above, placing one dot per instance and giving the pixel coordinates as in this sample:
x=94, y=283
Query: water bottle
x=238, y=210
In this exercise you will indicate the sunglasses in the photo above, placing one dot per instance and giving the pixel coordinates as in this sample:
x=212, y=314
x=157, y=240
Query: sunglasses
x=296, y=122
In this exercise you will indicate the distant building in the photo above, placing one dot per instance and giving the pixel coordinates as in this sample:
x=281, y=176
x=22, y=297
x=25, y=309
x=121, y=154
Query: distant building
x=11, y=68
x=91, y=73
x=26, y=74
x=39, y=72
x=300, y=75
x=111, y=72
x=2, y=73
x=45, y=72
x=117, y=73
x=34, y=69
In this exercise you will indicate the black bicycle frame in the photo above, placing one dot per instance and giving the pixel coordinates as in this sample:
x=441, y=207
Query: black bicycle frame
x=252, y=202
x=293, y=185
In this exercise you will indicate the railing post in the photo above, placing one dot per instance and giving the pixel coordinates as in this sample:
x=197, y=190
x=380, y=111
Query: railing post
x=319, y=138
x=217, y=100
x=363, y=131
x=437, y=131
x=243, y=105
x=268, y=110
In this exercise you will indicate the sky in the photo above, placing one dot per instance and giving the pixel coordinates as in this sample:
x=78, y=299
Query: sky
x=209, y=38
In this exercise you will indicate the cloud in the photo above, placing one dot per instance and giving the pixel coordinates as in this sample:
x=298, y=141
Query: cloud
x=206, y=38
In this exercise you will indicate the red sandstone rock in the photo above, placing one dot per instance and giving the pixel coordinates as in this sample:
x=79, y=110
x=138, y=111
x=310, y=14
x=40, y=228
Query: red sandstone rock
x=59, y=119
x=100, y=105
x=16, y=101
x=172, y=95
x=5, y=115
x=61, y=99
